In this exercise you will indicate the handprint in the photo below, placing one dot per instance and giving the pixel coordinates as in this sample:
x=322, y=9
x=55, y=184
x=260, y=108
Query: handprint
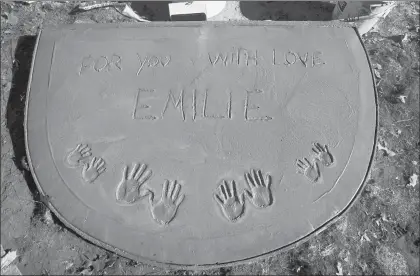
x=165, y=209
x=311, y=171
x=75, y=156
x=260, y=194
x=232, y=206
x=128, y=190
x=323, y=154
x=92, y=170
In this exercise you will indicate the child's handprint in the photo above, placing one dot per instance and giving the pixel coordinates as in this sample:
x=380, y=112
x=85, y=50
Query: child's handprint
x=311, y=171
x=260, y=194
x=232, y=206
x=78, y=154
x=92, y=170
x=165, y=209
x=129, y=189
x=323, y=154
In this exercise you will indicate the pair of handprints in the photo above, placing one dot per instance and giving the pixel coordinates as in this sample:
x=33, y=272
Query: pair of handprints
x=131, y=188
x=92, y=166
x=310, y=169
x=259, y=194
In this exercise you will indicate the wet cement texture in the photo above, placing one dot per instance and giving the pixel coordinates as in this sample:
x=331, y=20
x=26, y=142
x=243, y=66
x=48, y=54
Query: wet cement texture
x=379, y=233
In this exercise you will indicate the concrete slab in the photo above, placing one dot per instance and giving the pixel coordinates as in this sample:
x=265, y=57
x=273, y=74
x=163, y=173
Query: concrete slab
x=200, y=144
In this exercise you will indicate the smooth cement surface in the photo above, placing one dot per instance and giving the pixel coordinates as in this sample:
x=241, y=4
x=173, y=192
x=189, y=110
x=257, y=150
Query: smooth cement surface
x=199, y=144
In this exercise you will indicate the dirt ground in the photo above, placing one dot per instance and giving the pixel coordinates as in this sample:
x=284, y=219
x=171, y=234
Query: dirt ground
x=378, y=235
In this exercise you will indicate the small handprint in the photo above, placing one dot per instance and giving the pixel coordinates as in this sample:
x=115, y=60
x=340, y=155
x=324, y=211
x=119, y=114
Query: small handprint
x=92, y=170
x=232, y=206
x=323, y=154
x=311, y=171
x=77, y=155
x=260, y=194
x=165, y=209
x=129, y=189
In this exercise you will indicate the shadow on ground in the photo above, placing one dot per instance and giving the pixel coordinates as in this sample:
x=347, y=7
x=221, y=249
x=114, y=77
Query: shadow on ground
x=152, y=10
x=15, y=117
x=287, y=10
x=15, y=114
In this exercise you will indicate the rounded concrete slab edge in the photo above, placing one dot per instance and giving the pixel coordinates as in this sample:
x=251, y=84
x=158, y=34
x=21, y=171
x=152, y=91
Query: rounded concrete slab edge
x=84, y=152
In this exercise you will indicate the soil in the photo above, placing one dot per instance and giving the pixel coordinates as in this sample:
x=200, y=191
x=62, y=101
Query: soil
x=379, y=234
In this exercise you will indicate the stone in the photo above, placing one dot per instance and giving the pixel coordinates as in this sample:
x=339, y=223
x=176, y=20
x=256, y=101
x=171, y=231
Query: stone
x=208, y=8
x=188, y=11
x=200, y=144
x=13, y=19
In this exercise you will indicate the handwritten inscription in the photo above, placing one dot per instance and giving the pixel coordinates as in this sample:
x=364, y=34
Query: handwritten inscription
x=200, y=101
x=306, y=59
x=139, y=106
x=228, y=111
x=237, y=57
x=152, y=61
x=251, y=58
x=176, y=100
x=249, y=107
x=101, y=63
x=175, y=103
